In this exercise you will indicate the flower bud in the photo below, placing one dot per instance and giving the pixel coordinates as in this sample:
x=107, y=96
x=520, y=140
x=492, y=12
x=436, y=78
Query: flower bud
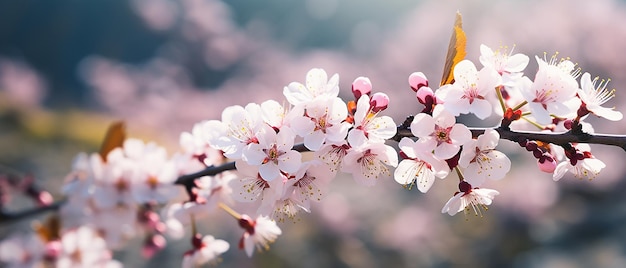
x=546, y=163
x=531, y=146
x=418, y=80
x=44, y=198
x=568, y=124
x=361, y=86
x=152, y=245
x=379, y=102
x=53, y=249
x=465, y=187
x=425, y=95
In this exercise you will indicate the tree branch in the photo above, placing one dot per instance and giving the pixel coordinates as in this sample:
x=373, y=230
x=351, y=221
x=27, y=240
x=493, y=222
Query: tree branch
x=554, y=138
x=405, y=131
x=7, y=217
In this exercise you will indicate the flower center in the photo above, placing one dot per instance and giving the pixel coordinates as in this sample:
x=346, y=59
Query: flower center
x=272, y=154
x=544, y=96
x=472, y=93
x=442, y=134
x=321, y=123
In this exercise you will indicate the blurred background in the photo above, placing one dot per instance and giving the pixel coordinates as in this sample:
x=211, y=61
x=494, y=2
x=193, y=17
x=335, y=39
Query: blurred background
x=69, y=68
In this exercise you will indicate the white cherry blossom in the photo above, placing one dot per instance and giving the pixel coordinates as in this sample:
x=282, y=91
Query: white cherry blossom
x=275, y=114
x=310, y=183
x=237, y=129
x=419, y=167
x=367, y=124
x=196, y=144
x=322, y=120
x=22, y=250
x=469, y=199
x=481, y=161
x=510, y=66
x=553, y=90
x=212, y=190
x=370, y=162
x=440, y=133
x=250, y=187
x=205, y=250
x=113, y=181
x=177, y=216
x=583, y=164
x=273, y=153
x=154, y=174
x=284, y=208
x=333, y=154
x=317, y=85
x=473, y=91
x=594, y=94
x=83, y=247
x=259, y=233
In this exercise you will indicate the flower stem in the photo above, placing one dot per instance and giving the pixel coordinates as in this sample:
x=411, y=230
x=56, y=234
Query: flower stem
x=519, y=106
x=500, y=98
x=194, y=230
x=533, y=123
x=459, y=173
x=230, y=211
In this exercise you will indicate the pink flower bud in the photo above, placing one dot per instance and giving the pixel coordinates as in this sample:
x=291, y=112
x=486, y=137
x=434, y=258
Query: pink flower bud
x=417, y=80
x=379, y=102
x=44, y=199
x=53, y=249
x=425, y=95
x=361, y=86
x=153, y=245
x=546, y=164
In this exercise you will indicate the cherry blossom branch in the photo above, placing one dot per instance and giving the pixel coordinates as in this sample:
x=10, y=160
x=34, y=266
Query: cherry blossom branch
x=405, y=131
x=188, y=179
x=8, y=217
x=554, y=138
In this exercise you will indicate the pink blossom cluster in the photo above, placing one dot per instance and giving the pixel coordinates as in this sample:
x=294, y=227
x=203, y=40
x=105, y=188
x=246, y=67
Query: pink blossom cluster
x=553, y=101
x=286, y=153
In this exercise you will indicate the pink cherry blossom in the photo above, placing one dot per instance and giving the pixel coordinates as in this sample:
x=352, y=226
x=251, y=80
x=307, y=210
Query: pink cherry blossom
x=322, y=120
x=593, y=95
x=259, y=233
x=419, y=167
x=317, y=85
x=153, y=175
x=273, y=153
x=581, y=163
x=370, y=162
x=472, y=91
x=553, y=91
x=83, y=247
x=440, y=133
x=310, y=183
x=469, y=199
x=22, y=250
x=369, y=125
x=237, y=129
x=507, y=64
x=333, y=154
x=205, y=250
x=481, y=161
